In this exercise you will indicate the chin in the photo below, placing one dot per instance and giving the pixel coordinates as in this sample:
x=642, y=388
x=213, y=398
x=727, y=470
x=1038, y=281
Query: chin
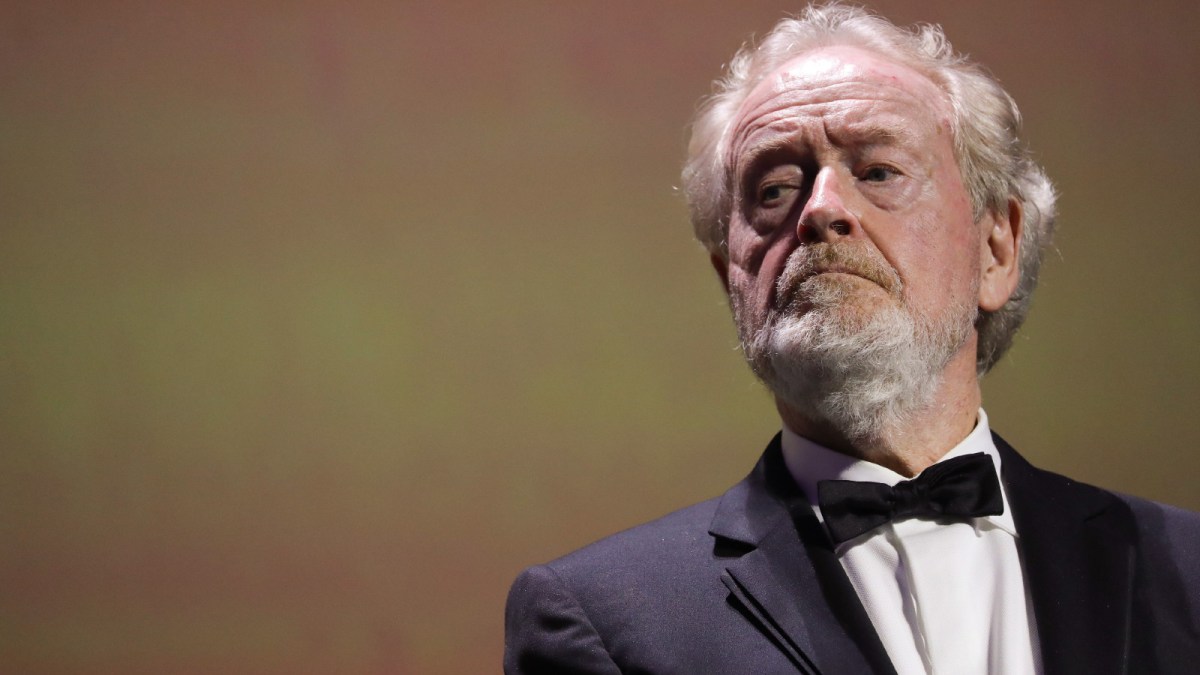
x=863, y=364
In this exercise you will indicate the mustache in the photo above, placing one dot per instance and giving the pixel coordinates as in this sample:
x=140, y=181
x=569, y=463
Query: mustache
x=808, y=261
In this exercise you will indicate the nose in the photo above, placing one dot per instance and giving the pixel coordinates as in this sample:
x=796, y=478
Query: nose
x=826, y=216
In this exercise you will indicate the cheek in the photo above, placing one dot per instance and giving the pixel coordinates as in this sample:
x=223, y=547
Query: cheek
x=752, y=290
x=743, y=301
x=743, y=241
x=773, y=264
x=739, y=281
x=941, y=263
x=756, y=262
x=748, y=254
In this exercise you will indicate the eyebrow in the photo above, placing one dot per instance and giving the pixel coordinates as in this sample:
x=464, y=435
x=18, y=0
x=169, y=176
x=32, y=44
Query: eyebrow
x=754, y=160
x=872, y=133
x=753, y=156
x=863, y=135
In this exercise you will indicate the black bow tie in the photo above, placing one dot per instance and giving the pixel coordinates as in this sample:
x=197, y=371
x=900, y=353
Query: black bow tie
x=963, y=487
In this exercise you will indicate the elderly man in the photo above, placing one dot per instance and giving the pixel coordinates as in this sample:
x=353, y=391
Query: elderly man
x=878, y=227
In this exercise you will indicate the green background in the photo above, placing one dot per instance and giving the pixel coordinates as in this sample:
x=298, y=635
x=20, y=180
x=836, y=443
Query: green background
x=320, y=320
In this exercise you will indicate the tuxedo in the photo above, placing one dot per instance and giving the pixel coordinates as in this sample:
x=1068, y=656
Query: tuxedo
x=749, y=583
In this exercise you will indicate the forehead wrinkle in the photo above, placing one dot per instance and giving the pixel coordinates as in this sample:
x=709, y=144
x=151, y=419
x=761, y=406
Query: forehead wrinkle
x=782, y=102
x=797, y=103
x=788, y=132
x=791, y=100
x=866, y=87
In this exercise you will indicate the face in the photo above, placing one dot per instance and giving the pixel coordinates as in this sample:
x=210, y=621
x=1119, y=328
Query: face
x=850, y=220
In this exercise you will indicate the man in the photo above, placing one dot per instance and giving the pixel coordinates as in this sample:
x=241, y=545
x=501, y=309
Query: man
x=878, y=227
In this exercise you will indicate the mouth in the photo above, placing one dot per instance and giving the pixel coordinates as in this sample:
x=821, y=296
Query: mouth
x=831, y=261
x=836, y=269
x=792, y=291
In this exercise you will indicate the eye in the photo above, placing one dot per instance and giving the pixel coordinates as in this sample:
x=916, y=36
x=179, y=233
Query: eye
x=878, y=173
x=772, y=194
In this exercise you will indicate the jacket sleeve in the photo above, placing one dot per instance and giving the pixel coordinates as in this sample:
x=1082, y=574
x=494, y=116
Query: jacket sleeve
x=547, y=631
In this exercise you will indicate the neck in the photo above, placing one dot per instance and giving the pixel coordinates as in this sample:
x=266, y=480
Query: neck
x=921, y=440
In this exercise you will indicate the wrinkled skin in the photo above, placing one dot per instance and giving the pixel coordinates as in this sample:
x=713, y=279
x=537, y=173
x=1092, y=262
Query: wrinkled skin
x=841, y=150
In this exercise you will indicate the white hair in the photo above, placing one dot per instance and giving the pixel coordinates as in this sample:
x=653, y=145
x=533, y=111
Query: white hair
x=995, y=166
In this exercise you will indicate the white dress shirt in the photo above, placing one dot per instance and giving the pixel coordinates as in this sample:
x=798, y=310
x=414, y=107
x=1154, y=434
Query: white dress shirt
x=947, y=598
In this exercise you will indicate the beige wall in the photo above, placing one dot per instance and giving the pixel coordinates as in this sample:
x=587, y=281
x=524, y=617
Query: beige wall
x=318, y=320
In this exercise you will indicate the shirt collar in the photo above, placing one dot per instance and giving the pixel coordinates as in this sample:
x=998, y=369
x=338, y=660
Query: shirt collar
x=809, y=462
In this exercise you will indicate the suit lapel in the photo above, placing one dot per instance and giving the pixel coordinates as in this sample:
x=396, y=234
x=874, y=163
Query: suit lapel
x=782, y=571
x=1077, y=543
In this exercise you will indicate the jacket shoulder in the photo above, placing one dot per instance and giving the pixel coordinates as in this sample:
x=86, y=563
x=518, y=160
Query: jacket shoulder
x=1168, y=535
x=1181, y=525
x=674, y=535
x=1167, y=583
x=589, y=609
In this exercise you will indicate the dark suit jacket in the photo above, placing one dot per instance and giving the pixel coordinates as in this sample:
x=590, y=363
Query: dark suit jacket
x=748, y=583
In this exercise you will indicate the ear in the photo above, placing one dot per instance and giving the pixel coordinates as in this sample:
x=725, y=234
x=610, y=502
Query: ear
x=1000, y=256
x=721, y=265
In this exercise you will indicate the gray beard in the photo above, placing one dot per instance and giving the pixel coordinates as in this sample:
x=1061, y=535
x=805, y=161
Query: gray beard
x=864, y=371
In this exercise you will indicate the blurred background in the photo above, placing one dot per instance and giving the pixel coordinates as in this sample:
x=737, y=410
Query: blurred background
x=319, y=321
